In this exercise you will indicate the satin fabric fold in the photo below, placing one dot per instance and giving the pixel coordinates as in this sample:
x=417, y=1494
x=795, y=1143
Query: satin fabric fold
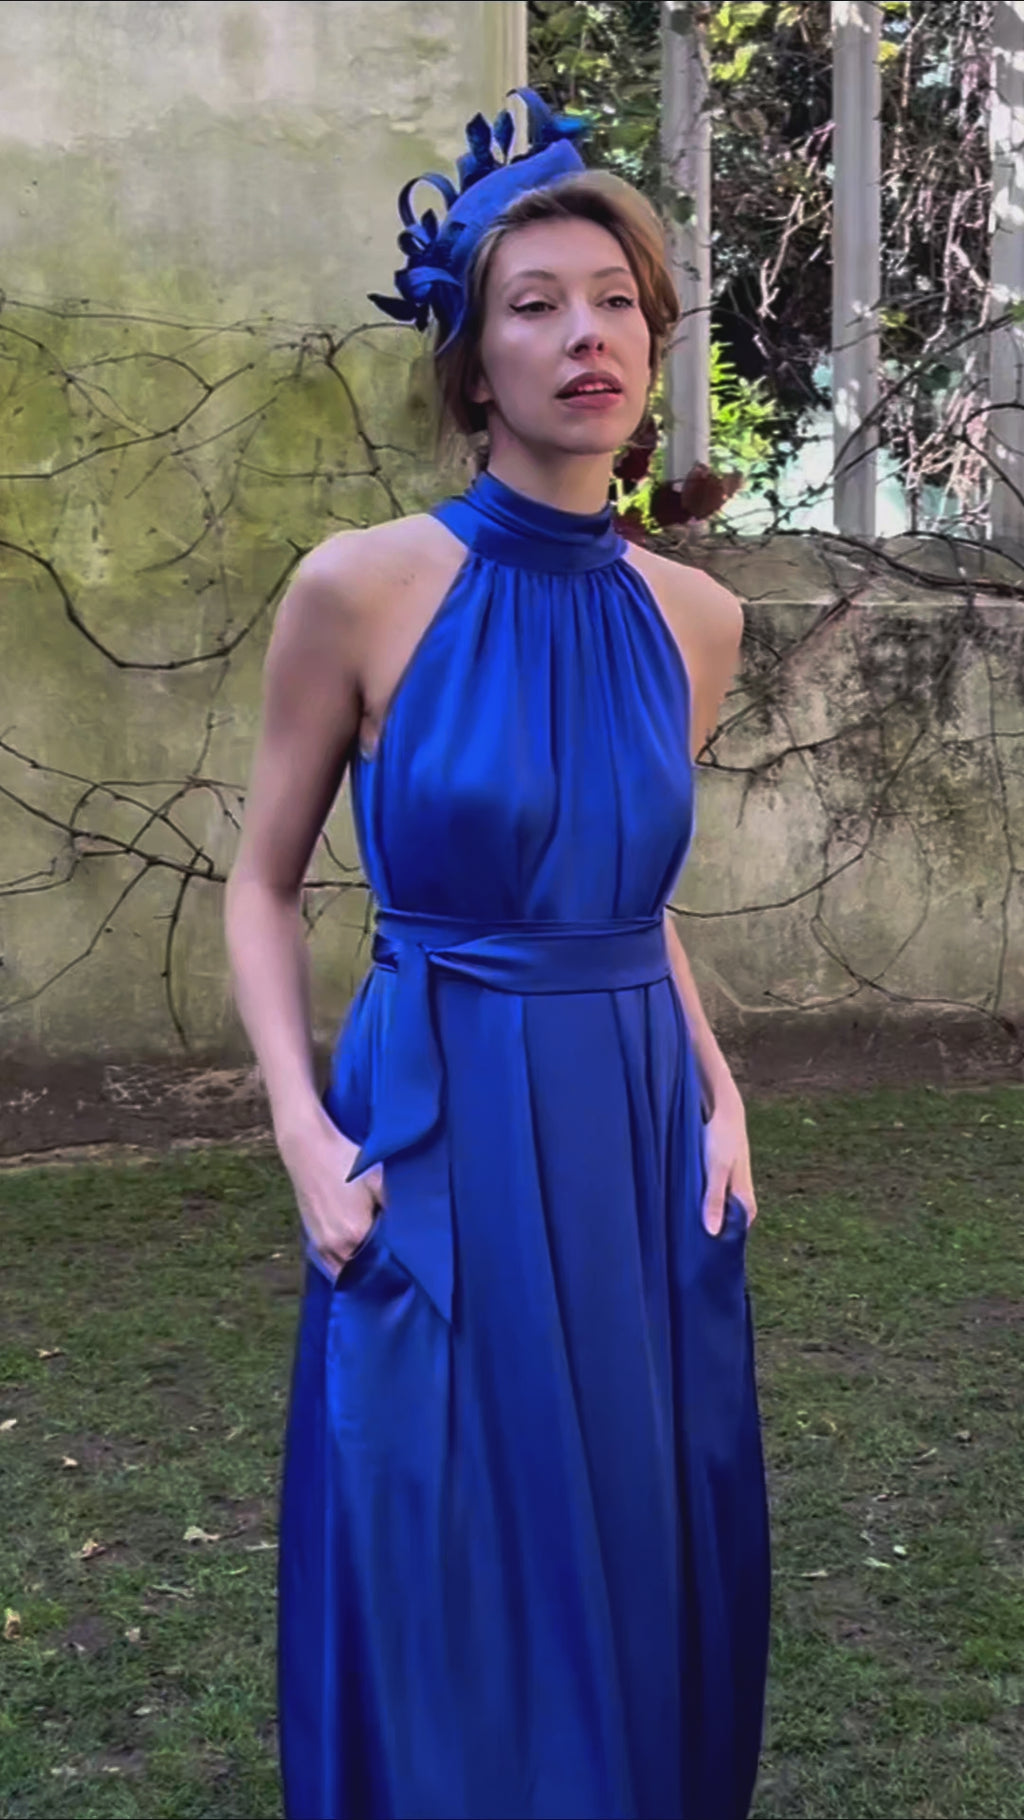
x=407, y=1096
x=524, y=1561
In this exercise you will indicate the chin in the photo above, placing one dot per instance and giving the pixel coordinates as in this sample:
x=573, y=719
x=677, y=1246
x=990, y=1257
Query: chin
x=598, y=438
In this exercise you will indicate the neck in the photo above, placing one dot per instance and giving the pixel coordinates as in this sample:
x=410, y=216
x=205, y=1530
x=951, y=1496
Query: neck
x=572, y=483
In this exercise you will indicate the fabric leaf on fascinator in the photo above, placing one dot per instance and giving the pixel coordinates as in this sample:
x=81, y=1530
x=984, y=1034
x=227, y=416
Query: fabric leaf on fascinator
x=432, y=283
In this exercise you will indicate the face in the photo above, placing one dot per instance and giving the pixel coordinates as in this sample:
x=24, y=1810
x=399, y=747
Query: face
x=561, y=302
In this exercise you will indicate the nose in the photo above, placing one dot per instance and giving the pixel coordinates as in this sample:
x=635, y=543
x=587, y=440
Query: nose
x=586, y=331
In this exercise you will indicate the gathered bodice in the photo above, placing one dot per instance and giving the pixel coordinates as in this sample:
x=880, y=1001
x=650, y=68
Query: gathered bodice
x=534, y=760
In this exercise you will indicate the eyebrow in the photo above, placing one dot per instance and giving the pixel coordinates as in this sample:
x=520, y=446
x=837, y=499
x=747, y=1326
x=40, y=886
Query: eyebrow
x=539, y=272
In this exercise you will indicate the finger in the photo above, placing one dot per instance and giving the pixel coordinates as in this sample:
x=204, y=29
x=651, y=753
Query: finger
x=748, y=1204
x=714, y=1212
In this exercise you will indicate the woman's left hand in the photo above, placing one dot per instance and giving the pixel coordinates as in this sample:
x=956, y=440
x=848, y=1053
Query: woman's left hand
x=727, y=1156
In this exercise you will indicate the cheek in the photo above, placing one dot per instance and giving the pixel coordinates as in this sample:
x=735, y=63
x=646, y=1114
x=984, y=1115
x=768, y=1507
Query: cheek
x=637, y=347
x=513, y=361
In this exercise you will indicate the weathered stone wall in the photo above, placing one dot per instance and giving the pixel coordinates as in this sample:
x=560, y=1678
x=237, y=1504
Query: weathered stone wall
x=857, y=882
x=195, y=200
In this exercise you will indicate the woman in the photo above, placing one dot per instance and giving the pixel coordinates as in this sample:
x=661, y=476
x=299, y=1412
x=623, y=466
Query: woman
x=523, y=1547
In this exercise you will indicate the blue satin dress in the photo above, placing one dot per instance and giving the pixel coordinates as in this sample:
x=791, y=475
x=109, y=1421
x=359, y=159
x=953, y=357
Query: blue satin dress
x=524, y=1543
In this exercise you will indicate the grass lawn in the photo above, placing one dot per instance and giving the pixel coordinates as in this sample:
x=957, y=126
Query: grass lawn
x=146, y=1317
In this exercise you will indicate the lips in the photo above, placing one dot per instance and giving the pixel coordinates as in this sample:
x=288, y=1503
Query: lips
x=593, y=383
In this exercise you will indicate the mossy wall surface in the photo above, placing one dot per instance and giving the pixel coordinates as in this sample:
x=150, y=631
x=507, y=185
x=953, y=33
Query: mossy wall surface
x=194, y=392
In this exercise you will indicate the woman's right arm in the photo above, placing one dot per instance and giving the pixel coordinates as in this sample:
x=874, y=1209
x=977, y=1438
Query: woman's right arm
x=312, y=709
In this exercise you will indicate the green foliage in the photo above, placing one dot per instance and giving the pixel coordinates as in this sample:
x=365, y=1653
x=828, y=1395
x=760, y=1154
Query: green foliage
x=743, y=417
x=605, y=60
x=742, y=422
x=770, y=67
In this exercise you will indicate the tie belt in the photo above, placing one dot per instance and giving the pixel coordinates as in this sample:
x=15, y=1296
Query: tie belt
x=404, y=1102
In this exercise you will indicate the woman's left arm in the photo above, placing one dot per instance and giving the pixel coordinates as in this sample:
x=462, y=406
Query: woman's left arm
x=710, y=620
x=727, y=1151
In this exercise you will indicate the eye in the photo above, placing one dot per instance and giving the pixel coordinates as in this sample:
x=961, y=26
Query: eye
x=630, y=302
x=535, y=304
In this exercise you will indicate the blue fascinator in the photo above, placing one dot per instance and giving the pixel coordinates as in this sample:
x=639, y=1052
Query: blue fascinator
x=437, y=256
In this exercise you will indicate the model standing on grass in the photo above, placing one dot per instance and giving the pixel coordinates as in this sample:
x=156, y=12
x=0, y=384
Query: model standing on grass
x=524, y=1556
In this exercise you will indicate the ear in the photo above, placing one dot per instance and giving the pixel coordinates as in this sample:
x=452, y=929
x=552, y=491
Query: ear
x=479, y=390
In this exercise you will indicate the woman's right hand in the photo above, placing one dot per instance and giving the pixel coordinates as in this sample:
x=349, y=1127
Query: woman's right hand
x=336, y=1213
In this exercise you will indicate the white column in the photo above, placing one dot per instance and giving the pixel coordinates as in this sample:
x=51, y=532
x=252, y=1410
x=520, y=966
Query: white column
x=686, y=157
x=856, y=280
x=1006, y=351
x=504, y=24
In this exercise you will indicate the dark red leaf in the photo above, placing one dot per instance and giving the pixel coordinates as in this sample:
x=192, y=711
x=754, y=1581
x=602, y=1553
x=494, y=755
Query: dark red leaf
x=629, y=525
x=698, y=497
x=633, y=461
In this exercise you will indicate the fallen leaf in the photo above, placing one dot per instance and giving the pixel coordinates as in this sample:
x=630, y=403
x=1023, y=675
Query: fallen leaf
x=815, y=1573
x=89, y=1550
x=194, y=1534
x=12, y=1625
x=872, y=1561
x=258, y=1548
x=233, y=1434
x=174, y=1592
x=922, y=1457
x=67, y=1462
x=964, y=1434
x=8, y=1424
x=898, y=1549
x=142, y=1712
x=49, y=1352
x=133, y=1634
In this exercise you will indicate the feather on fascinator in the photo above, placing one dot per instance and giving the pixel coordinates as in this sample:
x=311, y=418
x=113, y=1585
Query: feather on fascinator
x=438, y=255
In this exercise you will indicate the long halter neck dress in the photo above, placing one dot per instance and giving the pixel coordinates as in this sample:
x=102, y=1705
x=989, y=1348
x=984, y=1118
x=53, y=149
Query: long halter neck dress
x=524, y=1543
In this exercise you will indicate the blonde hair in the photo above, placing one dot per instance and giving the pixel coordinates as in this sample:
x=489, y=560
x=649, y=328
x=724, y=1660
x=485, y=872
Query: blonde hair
x=597, y=196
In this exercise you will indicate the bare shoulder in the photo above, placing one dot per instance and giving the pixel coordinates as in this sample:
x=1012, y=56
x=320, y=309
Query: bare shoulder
x=362, y=562
x=347, y=587
x=706, y=620
x=704, y=612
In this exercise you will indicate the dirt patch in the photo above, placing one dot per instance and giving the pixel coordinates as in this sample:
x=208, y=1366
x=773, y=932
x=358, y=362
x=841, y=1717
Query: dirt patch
x=78, y=1110
x=95, y=1453
x=113, y=1553
x=16, y=1400
x=839, y=1362
x=246, y=1520
x=48, y=1107
x=988, y=1312
x=280, y=1274
x=86, y=1635
x=200, y=1210
x=118, y=1763
x=801, y=1053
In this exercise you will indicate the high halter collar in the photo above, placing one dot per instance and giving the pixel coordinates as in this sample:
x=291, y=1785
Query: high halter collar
x=497, y=522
